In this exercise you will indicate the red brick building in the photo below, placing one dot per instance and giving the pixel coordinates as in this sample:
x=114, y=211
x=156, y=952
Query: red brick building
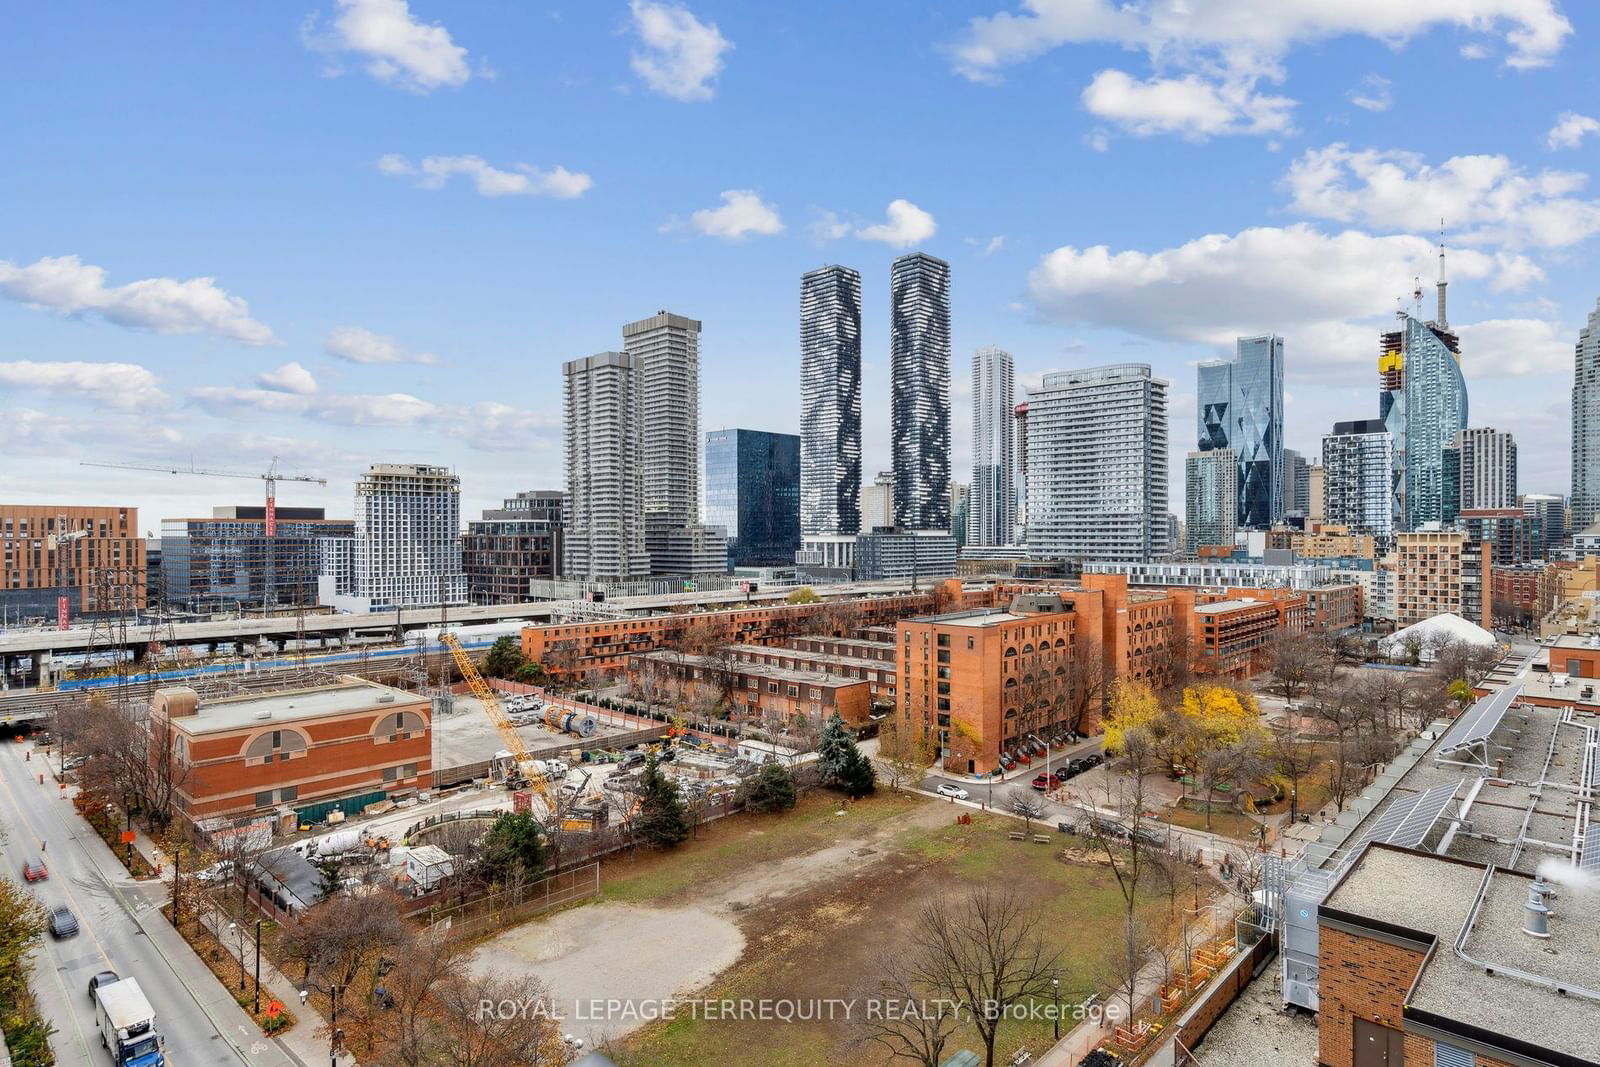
x=305, y=751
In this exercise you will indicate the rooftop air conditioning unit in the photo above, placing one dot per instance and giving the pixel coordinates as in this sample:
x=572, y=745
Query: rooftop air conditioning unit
x=263, y=715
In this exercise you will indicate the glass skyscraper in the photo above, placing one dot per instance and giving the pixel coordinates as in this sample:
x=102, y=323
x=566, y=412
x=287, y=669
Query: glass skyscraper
x=919, y=383
x=1210, y=490
x=753, y=491
x=1586, y=425
x=1424, y=405
x=830, y=401
x=1239, y=403
x=992, y=507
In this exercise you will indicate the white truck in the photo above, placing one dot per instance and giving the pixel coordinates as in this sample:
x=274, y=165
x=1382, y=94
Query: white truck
x=128, y=1024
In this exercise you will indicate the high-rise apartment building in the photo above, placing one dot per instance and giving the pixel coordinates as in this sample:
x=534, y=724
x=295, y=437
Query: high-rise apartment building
x=830, y=401
x=1358, y=479
x=1210, y=490
x=228, y=562
x=57, y=563
x=1586, y=424
x=408, y=536
x=1240, y=405
x=604, y=534
x=512, y=545
x=877, y=502
x=666, y=352
x=1480, y=471
x=1296, y=483
x=919, y=384
x=960, y=512
x=1504, y=535
x=1021, y=521
x=992, y=510
x=1430, y=572
x=753, y=493
x=1097, y=465
x=1423, y=402
x=1316, y=490
x=1547, y=522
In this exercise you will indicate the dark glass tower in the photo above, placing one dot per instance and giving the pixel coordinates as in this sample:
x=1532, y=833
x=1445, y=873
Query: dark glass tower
x=753, y=490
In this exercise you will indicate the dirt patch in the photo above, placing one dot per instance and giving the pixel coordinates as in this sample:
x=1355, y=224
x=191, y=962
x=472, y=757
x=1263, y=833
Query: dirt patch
x=615, y=952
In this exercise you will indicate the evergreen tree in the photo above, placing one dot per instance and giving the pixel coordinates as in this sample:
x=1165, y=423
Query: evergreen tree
x=770, y=789
x=833, y=749
x=857, y=778
x=504, y=659
x=513, y=843
x=328, y=875
x=662, y=821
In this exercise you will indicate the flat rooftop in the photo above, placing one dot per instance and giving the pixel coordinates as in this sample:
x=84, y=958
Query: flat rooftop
x=1479, y=992
x=762, y=653
x=1230, y=605
x=295, y=705
x=756, y=670
x=979, y=618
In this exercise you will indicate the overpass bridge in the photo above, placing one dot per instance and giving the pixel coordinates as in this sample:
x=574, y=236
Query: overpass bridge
x=30, y=657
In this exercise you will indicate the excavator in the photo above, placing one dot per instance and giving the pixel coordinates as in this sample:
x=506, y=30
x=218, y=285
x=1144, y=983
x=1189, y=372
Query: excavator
x=523, y=773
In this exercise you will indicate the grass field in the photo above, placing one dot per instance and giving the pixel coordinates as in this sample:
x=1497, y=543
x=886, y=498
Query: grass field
x=825, y=901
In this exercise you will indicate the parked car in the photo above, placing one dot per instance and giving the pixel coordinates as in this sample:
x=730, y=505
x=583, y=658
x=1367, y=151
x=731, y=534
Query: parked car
x=1074, y=768
x=1093, y=759
x=1062, y=774
x=1043, y=781
x=630, y=761
x=34, y=870
x=62, y=924
x=1147, y=836
x=949, y=789
x=103, y=978
x=217, y=872
x=1008, y=763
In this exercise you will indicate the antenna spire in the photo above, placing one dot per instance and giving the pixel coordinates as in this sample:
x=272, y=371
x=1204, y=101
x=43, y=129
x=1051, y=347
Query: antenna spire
x=1444, y=323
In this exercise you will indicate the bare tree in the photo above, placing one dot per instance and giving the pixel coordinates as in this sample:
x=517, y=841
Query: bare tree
x=519, y=1030
x=904, y=751
x=1290, y=657
x=1294, y=758
x=1027, y=804
x=916, y=1034
x=1087, y=681
x=1123, y=968
x=985, y=952
x=1463, y=661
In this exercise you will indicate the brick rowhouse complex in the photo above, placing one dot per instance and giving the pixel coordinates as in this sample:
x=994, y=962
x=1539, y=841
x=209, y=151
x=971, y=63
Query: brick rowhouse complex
x=100, y=570
x=353, y=741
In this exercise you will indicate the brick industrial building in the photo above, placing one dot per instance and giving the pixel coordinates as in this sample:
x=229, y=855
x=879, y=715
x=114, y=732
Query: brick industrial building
x=753, y=692
x=292, y=754
x=99, y=566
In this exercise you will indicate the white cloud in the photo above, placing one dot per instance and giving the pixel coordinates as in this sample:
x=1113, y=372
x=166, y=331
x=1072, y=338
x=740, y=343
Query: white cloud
x=1570, y=130
x=1375, y=93
x=289, y=378
x=1482, y=199
x=991, y=246
x=165, y=305
x=906, y=225
x=680, y=54
x=1512, y=347
x=125, y=386
x=1474, y=51
x=398, y=48
x=742, y=213
x=356, y=345
x=1191, y=106
x=521, y=180
x=1207, y=58
x=1325, y=292
x=828, y=226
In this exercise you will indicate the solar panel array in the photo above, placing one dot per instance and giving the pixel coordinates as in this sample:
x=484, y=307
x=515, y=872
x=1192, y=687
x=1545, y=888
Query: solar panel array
x=1405, y=821
x=1480, y=720
x=1589, y=862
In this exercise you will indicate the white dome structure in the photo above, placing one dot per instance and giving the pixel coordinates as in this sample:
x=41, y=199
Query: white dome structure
x=1430, y=635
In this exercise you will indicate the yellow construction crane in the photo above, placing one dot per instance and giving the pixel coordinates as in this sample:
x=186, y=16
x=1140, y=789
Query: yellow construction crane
x=491, y=705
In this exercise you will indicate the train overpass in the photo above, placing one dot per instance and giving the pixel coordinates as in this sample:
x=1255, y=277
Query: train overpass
x=28, y=657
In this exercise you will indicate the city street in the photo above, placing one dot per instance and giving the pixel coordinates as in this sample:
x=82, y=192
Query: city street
x=120, y=930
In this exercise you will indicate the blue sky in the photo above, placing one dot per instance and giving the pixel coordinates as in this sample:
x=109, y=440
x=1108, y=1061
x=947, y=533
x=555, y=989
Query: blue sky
x=347, y=231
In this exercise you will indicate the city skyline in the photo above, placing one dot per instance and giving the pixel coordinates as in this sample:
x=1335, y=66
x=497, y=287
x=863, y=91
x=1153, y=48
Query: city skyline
x=353, y=300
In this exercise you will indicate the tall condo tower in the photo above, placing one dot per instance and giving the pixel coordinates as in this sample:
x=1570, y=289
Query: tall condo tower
x=1097, y=465
x=919, y=381
x=1423, y=402
x=1240, y=406
x=1586, y=425
x=992, y=505
x=408, y=536
x=604, y=535
x=830, y=401
x=666, y=353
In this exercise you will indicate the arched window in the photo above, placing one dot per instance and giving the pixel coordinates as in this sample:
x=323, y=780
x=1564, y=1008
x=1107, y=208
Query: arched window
x=275, y=745
x=1011, y=683
x=399, y=726
x=1011, y=652
x=1027, y=648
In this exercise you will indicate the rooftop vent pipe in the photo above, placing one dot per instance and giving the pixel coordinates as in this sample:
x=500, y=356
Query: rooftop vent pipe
x=1536, y=920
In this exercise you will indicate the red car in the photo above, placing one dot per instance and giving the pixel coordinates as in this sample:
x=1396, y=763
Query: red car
x=33, y=870
x=1043, y=781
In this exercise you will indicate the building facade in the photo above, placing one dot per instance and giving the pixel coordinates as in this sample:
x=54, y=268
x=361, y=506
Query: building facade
x=1586, y=423
x=1296, y=484
x=1423, y=402
x=1210, y=481
x=919, y=384
x=293, y=753
x=753, y=493
x=408, y=536
x=1358, y=478
x=1429, y=572
x=1240, y=404
x=57, y=563
x=752, y=692
x=1097, y=465
x=1547, y=522
x=512, y=545
x=830, y=401
x=888, y=554
x=1316, y=492
x=992, y=517
x=1480, y=471
x=604, y=534
x=228, y=562
x=1505, y=534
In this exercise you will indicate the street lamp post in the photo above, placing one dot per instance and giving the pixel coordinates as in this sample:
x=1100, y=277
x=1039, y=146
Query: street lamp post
x=233, y=931
x=258, y=966
x=1294, y=805
x=1055, y=1016
x=128, y=811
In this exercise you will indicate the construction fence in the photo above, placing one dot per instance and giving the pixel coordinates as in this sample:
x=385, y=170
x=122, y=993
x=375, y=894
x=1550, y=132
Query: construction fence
x=513, y=906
